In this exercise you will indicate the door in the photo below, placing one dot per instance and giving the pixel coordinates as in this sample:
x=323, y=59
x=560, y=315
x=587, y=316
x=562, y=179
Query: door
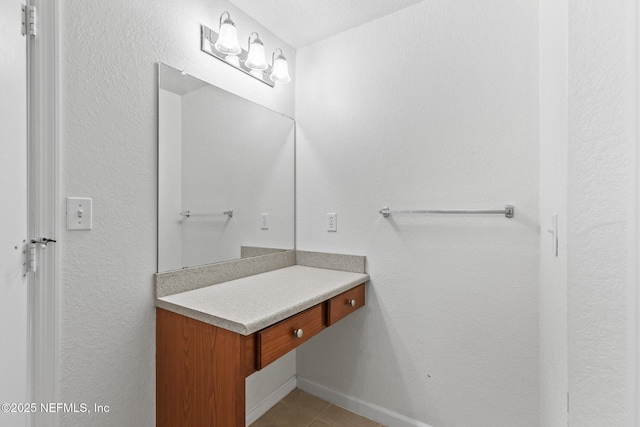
x=14, y=314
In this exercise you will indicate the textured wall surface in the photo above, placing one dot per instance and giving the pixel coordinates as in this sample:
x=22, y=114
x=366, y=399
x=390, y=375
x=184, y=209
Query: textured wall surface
x=553, y=199
x=442, y=111
x=109, y=52
x=598, y=231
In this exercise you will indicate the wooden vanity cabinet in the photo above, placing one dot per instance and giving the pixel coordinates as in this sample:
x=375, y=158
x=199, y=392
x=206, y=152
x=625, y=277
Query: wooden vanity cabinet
x=201, y=368
x=200, y=373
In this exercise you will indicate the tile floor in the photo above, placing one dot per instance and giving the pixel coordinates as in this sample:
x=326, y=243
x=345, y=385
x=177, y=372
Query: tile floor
x=299, y=409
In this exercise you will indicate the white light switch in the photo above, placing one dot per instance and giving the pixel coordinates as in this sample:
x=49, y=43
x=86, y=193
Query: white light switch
x=264, y=221
x=79, y=213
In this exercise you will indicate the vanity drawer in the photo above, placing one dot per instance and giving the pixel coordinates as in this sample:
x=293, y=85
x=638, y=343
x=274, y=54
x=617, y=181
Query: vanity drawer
x=344, y=304
x=279, y=339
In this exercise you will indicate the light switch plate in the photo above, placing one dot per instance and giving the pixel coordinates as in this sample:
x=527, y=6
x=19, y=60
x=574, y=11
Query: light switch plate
x=264, y=221
x=79, y=213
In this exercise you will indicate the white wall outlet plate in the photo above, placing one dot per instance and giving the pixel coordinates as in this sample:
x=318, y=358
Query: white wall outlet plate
x=332, y=222
x=264, y=221
x=79, y=213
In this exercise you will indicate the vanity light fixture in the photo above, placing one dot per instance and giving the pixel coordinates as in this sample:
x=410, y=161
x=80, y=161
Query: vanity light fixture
x=227, y=42
x=252, y=61
x=279, y=68
x=256, y=59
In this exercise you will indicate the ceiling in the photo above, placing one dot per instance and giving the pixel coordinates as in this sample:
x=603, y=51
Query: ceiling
x=302, y=22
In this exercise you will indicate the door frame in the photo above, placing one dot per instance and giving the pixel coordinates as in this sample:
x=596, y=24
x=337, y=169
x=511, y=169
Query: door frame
x=43, y=204
x=633, y=118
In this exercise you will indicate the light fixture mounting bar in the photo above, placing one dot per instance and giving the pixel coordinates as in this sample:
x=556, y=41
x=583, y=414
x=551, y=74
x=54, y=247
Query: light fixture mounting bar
x=208, y=39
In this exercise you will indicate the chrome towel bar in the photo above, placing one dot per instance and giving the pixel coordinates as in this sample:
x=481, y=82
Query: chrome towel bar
x=189, y=214
x=508, y=211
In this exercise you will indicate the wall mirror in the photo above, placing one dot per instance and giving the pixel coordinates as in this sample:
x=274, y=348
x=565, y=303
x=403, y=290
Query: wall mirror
x=225, y=175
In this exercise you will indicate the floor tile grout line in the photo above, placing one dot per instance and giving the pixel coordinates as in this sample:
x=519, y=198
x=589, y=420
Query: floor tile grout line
x=317, y=418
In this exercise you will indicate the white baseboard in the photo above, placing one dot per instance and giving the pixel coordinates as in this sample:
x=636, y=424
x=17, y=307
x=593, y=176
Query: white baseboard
x=269, y=402
x=368, y=410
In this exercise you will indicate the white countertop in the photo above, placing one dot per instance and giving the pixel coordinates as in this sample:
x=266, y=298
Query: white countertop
x=252, y=303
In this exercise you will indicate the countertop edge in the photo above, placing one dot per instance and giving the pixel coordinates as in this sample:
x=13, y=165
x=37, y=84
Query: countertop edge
x=202, y=317
x=297, y=308
x=264, y=322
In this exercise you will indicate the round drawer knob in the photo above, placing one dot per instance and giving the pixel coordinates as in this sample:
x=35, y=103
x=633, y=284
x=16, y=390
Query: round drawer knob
x=297, y=333
x=352, y=302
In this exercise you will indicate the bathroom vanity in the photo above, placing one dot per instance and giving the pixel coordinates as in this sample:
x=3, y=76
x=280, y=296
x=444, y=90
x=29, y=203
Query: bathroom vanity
x=211, y=337
x=226, y=189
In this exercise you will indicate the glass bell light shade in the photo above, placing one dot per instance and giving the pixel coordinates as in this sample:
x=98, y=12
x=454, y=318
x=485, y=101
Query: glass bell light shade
x=256, y=59
x=280, y=72
x=228, y=38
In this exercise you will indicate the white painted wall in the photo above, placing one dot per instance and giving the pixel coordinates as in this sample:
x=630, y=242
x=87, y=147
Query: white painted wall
x=587, y=157
x=599, y=232
x=553, y=199
x=450, y=119
x=108, y=86
x=433, y=106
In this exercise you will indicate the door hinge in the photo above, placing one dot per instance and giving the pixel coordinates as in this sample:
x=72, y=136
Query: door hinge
x=32, y=252
x=29, y=21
